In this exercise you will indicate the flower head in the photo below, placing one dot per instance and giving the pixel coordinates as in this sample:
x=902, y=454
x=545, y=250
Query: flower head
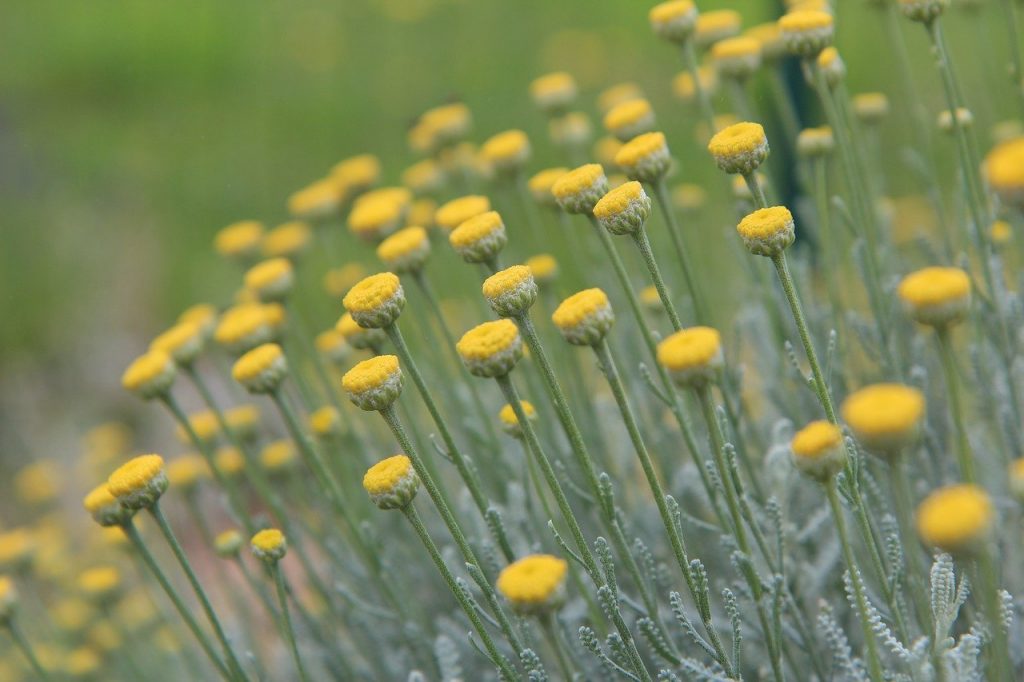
x=229, y=461
x=544, y=268
x=511, y=291
x=813, y=143
x=228, y=544
x=1016, y=474
x=936, y=296
x=541, y=184
x=405, y=250
x=332, y=345
x=185, y=472
x=317, y=201
x=240, y=241
x=269, y=545
x=183, y=342
x=139, y=483
x=491, y=349
x=624, y=210
x=645, y=157
x=357, y=173
x=424, y=177
x=717, y=25
x=534, y=584
x=685, y=89
x=740, y=148
x=871, y=107
x=271, y=280
x=289, y=240
x=956, y=519
x=506, y=152
x=807, y=32
x=769, y=37
x=617, y=94
x=629, y=119
x=578, y=190
x=1004, y=169
x=392, y=483
x=737, y=57
x=584, y=318
x=377, y=214
x=278, y=456
x=100, y=583
x=885, y=417
x=510, y=422
x=104, y=507
x=767, y=231
x=243, y=420
x=243, y=327
x=925, y=11
x=374, y=384
x=692, y=356
x=375, y=301
x=553, y=93
x=457, y=211
x=818, y=450
x=17, y=548
x=150, y=375
x=479, y=239
x=8, y=598
x=262, y=369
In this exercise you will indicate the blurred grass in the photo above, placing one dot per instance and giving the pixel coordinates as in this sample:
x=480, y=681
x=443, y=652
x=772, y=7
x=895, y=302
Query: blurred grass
x=131, y=131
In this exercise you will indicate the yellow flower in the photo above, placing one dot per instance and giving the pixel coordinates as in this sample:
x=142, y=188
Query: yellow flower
x=767, y=231
x=319, y=200
x=585, y=317
x=205, y=425
x=629, y=119
x=243, y=327
x=814, y=142
x=357, y=173
x=421, y=213
x=511, y=291
x=38, y=482
x=674, y=20
x=506, y=152
x=479, y=239
x=807, y=32
x=1016, y=474
x=832, y=66
x=684, y=88
x=509, y=421
x=229, y=461
x=375, y=301
x=457, y=211
x=534, y=584
x=240, y=241
x=689, y=197
x=578, y=190
x=818, y=450
x=150, y=375
x=885, y=417
x=289, y=239
x=272, y=279
x=424, y=177
x=623, y=210
x=331, y=344
x=82, y=662
x=553, y=92
x=871, y=107
x=100, y=583
x=1004, y=168
x=243, y=420
x=740, y=148
x=203, y=315
x=228, y=543
x=359, y=337
x=391, y=483
x=936, y=296
x=269, y=545
x=717, y=25
x=8, y=598
x=104, y=508
x=572, y=129
x=443, y=125
x=374, y=384
x=769, y=36
x=645, y=157
x=405, y=250
x=604, y=151
x=1000, y=232
x=691, y=356
x=541, y=184
x=956, y=519
x=544, y=267
x=491, y=349
x=262, y=369
x=338, y=281
x=183, y=342
x=325, y=421
x=278, y=455
x=185, y=472
x=17, y=547
x=737, y=57
x=379, y=213
x=139, y=482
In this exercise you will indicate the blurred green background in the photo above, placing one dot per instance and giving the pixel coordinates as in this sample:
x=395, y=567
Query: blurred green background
x=131, y=131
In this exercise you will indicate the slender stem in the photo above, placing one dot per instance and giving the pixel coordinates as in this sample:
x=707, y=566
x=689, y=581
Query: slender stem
x=547, y=624
x=460, y=461
x=25, y=646
x=756, y=190
x=703, y=101
x=988, y=574
x=286, y=619
x=1016, y=59
x=132, y=533
x=874, y=665
x=829, y=247
x=903, y=502
x=499, y=661
x=512, y=397
x=820, y=385
x=438, y=498
x=963, y=446
x=644, y=244
x=661, y=196
x=204, y=601
x=235, y=503
x=611, y=372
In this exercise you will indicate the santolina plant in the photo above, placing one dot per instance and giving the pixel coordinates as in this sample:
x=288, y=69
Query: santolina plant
x=776, y=436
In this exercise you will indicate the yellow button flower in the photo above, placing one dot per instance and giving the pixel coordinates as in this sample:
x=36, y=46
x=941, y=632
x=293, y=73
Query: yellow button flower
x=645, y=157
x=767, y=231
x=150, y=375
x=585, y=317
x=578, y=190
x=479, y=239
x=491, y=349
x=375, y=301
x=553, y=93
x=269, y=545
x=240, y=241
x=534, y=584
x=262, y=369
x=818, y=450
x=392, y=483
x=885, y=417
x=691, y=356
x=740, y=148
x=457, y=211
x=405, y=250
x=139, y=482
x=936, y=296
x=956, y=519
x=511, y=291
x=374, y=384
x=510, y=422
x=629, y=119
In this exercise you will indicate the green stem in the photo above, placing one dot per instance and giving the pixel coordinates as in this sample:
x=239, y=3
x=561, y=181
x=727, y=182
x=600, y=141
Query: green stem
x=963, y=446
x=461, y=464
x=874, y=665
x=999, y=655
x=512, y=398
x=132, y=533
x=644, y=244
x=611, y=372
x=903, y=502
x=467, y=606
x=204, y=601
x=437, y=497
x=701, y=95
x=547, y=624
x=1017, y=62
x=23, y=644
x=286, y=619
x=661, y=196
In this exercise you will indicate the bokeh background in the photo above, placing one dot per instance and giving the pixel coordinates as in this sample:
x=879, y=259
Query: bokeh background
x=130, y=132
